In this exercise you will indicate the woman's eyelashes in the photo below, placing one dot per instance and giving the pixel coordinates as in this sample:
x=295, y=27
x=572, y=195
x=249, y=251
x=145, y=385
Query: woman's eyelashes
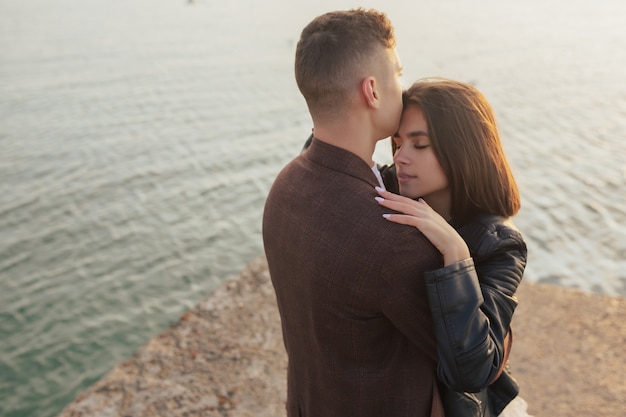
x=397, y=144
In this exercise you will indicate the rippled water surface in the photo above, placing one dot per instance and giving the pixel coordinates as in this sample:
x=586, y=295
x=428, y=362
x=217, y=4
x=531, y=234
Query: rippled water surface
x=138, y=140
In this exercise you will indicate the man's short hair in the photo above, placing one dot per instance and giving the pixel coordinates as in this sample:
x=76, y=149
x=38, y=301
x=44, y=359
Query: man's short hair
x=335, y=52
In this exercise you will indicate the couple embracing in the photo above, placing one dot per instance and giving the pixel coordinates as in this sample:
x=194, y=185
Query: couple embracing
x=395, y=284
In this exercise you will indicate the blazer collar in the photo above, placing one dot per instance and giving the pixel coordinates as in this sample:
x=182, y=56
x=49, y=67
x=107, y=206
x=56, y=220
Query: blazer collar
x=341, y=160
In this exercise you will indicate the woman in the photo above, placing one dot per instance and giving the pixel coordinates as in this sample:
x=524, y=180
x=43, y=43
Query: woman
x=459, y=191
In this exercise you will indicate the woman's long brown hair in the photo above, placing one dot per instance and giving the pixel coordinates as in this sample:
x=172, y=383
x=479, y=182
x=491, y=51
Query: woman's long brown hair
x=465, y=139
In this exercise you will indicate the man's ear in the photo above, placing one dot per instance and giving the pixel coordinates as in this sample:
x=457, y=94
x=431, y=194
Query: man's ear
x=369, y=90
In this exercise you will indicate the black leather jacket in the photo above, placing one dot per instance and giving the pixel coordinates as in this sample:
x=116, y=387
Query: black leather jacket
x=472, y=303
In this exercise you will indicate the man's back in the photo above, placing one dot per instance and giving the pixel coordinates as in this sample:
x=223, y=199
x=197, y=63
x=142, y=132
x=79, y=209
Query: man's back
x=350, y=290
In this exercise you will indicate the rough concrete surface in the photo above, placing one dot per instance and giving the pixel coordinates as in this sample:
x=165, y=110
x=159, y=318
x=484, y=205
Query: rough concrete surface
x=225, y=357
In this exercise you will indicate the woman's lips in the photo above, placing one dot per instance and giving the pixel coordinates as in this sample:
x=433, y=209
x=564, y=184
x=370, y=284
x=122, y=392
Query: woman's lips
x=402, y=177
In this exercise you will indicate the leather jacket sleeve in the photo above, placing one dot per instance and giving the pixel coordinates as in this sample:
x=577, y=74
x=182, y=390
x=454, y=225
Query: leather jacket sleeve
x=473, y=301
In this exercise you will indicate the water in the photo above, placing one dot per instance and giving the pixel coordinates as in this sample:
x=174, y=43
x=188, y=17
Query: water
x=138, y=140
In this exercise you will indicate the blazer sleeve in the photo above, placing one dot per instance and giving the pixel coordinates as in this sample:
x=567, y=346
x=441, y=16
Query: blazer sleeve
x=472, y=303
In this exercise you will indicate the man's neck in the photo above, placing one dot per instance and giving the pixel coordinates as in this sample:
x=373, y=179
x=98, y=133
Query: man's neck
x=358, y=141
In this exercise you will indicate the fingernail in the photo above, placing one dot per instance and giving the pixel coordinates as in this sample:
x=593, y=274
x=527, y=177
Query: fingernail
x=379, y=199
x=386, y=216
x=377, y=188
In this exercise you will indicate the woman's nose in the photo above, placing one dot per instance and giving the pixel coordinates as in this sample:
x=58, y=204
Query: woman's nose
x=398, y=156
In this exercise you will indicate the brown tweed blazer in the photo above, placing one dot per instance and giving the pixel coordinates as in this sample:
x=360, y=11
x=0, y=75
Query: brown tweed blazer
x=351, y=294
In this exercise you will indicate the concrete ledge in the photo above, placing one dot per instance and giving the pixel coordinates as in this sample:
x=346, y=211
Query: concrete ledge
x=225, y=357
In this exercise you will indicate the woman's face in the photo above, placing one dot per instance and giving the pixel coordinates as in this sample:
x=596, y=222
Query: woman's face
x=419, y=171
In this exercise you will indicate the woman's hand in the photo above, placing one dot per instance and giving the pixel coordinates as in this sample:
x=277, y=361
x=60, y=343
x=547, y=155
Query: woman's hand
x=420, y=215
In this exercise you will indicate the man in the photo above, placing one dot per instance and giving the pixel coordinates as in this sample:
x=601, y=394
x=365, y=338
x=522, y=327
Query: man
x=349, y=284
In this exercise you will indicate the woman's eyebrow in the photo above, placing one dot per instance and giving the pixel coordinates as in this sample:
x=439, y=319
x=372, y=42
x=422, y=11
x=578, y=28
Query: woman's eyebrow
x=414, y=134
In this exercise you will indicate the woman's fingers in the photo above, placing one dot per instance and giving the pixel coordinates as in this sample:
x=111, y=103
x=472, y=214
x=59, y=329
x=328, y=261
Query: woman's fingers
x=403, y=207
x=402, y=204
x=419, y=203
x=391, y=196
x=403, y=219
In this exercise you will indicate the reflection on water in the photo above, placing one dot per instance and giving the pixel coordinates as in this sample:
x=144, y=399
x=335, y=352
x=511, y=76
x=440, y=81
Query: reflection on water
x=138, y=141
